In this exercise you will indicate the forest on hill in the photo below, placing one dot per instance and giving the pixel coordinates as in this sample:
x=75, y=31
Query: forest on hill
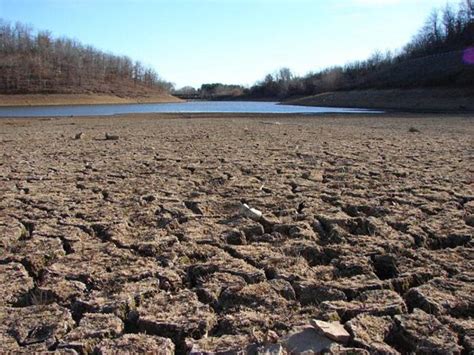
x=33, y=62
x=435, y=57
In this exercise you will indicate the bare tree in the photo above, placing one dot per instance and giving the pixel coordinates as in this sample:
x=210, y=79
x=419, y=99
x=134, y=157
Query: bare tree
x=36, y=62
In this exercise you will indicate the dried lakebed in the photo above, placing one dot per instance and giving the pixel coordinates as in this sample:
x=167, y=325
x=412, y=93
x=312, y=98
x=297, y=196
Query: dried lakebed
x=138, y=243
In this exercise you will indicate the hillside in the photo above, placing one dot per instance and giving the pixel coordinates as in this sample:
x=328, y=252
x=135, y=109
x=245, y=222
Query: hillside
x=36, y=63
x=438, y=82
x=439, y=59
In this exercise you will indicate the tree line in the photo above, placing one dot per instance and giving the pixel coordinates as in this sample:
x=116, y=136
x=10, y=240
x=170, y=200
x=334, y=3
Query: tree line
x=211, y=91
x=432, y=58
x=35, y=62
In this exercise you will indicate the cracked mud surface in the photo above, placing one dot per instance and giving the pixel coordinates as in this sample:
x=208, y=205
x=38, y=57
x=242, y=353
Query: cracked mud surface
x=137, y=244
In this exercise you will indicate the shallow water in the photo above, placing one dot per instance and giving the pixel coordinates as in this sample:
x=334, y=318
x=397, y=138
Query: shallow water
x=185, y=107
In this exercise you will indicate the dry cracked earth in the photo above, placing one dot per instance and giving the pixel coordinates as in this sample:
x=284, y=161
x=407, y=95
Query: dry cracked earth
x=138, y=243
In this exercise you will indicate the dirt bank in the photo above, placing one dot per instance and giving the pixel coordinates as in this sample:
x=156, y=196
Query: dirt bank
x=422, y=100
x=80, y=99
x=139, y=242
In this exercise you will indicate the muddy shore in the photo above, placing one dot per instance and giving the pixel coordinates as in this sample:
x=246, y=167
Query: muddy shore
x=423, y=100
x=138, y=242
x=82, y=99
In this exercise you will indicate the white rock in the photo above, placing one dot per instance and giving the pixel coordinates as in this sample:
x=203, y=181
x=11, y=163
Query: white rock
x=332, y=330
x=251, y=213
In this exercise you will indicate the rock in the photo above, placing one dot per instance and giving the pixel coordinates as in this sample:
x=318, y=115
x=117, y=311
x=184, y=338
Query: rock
x=135, y=344
x=469, y=219
x=15, y=283
x=79, y=135
x=283, y=288
x=443, y=296
x=253, y=231
x=370, y=332
x=111, y=137
x=235, y=237
x=423, y=333
x=306, y=340
x=332, y=330
x=91, y=330
x=378, y=303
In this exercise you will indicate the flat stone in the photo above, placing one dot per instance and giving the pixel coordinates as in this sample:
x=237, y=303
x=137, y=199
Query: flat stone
x=306, y=340
x=332, y=330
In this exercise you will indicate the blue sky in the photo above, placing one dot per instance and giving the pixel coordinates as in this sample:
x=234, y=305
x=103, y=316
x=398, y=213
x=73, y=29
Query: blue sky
x=190, y=42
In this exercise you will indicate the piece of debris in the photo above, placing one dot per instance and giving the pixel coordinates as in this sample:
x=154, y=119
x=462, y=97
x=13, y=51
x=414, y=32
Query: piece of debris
x=276, y=123
x=332, y=330
x=413, y=130
x=80, y=135
x=251, y=213
x=111, y=137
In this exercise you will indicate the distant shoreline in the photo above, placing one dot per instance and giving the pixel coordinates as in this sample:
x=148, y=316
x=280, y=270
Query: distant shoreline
x=26, y=100
x=418, y=100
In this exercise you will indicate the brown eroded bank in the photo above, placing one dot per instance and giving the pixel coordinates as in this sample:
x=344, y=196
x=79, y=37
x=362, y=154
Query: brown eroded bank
x=82, y=99
x=421, y=100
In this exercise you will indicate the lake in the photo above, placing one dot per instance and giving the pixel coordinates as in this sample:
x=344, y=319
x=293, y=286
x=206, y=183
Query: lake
x=184, y=107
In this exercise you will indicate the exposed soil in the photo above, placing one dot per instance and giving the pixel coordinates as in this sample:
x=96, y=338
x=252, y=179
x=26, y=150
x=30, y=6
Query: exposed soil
x=82, y=99
x=419, y=100
x=139, y=242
